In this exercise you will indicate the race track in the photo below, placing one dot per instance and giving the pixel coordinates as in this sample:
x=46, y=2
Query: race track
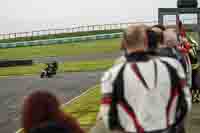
x=13, y=89
x=66, y=86
x=78, y=58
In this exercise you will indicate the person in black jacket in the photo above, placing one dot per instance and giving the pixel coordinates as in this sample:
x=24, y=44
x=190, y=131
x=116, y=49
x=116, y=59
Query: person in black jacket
x=52, y=127
x=41, y=113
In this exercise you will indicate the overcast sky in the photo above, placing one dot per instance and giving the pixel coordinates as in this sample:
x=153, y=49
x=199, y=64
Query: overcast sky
x=27, y=15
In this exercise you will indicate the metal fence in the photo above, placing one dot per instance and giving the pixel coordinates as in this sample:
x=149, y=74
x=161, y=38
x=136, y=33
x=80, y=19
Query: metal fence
x=83, y=29
x=60, y=40
x=71, y=30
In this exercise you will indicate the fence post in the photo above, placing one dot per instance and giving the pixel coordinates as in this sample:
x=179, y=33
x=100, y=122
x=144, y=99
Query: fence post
x=26, y=35
x=32, y=34
x=15, y=35
x=3, y=36
x=105, y=27
x=120, y=26
x=117, y=26
x=38, y=33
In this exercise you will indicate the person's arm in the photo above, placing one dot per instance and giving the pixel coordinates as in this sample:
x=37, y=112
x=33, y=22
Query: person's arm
x=106, y=91
x=185, y=86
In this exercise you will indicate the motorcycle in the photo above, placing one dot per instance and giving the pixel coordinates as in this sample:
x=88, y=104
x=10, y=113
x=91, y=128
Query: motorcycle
x=49, y=71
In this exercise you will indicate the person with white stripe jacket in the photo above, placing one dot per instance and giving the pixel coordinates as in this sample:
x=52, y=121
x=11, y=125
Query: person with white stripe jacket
x=144, y=94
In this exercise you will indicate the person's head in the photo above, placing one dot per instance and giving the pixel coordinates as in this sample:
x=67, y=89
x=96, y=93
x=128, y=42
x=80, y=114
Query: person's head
x=170, y=38
x=153, y=40
x=134, y=38
x=39, y=107
x=159, y=29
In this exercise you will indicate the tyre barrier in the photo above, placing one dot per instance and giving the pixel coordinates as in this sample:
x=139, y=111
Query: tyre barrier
x=12, y=63
x=195, y=96
x=60, y=40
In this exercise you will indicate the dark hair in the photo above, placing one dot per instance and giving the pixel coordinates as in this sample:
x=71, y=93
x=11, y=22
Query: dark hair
x=41, y=107
x=152, y=39
x=160, y=35
x=160, y=26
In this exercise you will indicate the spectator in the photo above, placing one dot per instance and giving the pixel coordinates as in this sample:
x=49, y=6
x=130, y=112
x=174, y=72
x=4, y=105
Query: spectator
x=168, y=47
x=138, y=94
x=41, y=114
x=172, y=44
x=122, y=58
x=159, y=29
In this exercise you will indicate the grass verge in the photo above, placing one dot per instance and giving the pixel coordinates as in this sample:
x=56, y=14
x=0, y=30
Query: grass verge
x=80, y=66
x=85, y=108
x=71, y=49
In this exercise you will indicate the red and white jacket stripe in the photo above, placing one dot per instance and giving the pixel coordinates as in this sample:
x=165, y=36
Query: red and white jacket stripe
x=150, y=105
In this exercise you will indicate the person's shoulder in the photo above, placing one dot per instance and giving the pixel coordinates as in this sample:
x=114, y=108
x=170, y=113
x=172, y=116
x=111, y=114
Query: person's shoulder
x=171, y=61
x=111, y=73
x=120, y=60
x=166, y=52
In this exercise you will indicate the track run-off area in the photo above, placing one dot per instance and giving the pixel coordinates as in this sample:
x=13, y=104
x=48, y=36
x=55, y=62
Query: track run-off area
x=13, y=90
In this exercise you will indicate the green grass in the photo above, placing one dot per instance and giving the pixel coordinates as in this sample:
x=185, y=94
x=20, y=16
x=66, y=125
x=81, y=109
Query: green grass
x=86, y=107
x=62, y=35
x=194, y=35
x=73, y=49
x=63, y=67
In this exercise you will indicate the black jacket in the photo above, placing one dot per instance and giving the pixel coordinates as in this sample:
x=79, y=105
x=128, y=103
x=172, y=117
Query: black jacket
x=51, y=127
x=173, y=53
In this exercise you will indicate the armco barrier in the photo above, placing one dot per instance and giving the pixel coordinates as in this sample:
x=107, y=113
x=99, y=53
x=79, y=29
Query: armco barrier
x=10, y=63
x=60, y=40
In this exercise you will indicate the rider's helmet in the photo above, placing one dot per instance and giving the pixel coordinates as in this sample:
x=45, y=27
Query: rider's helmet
x=55, y=64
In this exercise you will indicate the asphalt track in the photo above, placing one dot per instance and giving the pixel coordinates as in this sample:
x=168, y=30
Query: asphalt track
x=13, y=89
x=193, y=123
x=77, y=58
x=66, y=86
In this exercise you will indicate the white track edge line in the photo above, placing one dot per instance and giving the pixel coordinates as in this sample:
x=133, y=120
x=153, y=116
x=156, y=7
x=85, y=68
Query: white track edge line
x=73, y=99
x=64, y=104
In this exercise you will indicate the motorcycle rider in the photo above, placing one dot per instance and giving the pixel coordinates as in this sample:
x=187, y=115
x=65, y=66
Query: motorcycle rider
x=50, y=69
x=55, y=66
